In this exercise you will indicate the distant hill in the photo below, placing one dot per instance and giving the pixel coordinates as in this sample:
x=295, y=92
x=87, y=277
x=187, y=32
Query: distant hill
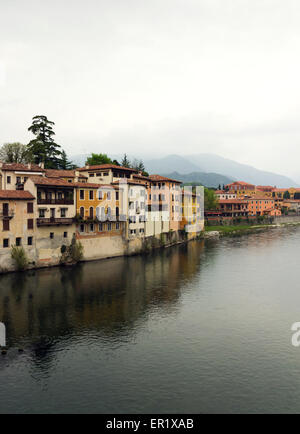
x=174, y=163
x=211, y=165
x=241, y=172
x=201, y=178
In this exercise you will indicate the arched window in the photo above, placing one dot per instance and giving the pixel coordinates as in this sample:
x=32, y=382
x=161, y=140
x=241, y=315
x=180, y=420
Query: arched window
x=91, y=212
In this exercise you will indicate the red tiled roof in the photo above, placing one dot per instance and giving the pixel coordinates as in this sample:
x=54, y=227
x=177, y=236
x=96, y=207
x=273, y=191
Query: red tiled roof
x=106, y=166
x=91, y=185
x=16, y=194
x=241, y=183
x=163, y=178
x=223, y=201
x=129, y=182
x=55, y=182
x=53, y=173
x=256, y=197
x=22, y=167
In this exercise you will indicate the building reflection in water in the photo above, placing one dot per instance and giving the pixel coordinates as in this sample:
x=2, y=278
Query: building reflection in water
x=109, y=298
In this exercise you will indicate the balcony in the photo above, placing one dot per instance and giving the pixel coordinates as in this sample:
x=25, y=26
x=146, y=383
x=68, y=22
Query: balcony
x=53, y=221
x=55, y=201
x=7, y=214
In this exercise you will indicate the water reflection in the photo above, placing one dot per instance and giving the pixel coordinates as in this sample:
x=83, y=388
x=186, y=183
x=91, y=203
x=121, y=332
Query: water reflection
x=109, y=297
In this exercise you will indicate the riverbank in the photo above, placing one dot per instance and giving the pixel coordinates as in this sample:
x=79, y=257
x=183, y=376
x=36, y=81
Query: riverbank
x=236, y=230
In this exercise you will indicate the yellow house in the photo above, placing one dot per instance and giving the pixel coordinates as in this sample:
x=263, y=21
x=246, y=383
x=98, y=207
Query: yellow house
x=98, y=210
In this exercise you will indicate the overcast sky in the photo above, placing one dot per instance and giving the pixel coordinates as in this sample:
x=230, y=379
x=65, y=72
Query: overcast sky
x=156, y=76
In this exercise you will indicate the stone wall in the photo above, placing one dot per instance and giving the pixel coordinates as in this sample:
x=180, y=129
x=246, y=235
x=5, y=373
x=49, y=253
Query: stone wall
x=47, y=251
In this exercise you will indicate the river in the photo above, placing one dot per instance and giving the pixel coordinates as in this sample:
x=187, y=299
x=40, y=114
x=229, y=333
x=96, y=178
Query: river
x=198, y=328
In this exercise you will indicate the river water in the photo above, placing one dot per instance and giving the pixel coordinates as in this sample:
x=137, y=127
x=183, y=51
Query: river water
x=198, y=328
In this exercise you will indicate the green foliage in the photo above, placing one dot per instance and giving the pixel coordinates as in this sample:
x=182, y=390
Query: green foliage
x=15, y=153
x=210, y=199
x=125, y=162
x=76, y=251
x=64, y=163
x=73, y=253
x=43, y=148
x=97, y=159
x=19, y=256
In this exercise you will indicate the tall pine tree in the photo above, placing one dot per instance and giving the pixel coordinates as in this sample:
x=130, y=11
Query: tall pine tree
x=43, y=147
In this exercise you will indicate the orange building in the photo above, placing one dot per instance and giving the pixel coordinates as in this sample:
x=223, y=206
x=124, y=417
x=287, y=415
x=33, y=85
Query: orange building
x=105, y=198
x=234, y=207
x=261, y=205
x=168, y=192
x=241, y=188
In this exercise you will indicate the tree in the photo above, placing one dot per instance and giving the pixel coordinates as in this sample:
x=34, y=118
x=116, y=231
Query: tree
x=43, y=148
x=125, y=162
x=97, y=159
x=15, y=153
x=139, y=165
x=210, y=199
x=286, y=195
x=65, y=163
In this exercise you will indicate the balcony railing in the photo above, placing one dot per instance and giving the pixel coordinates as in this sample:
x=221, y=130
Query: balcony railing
x=54, y=221
x=55, y=201
x=7, y=214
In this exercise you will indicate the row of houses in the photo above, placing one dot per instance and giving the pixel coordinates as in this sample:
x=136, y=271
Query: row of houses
x=241, y=199
x=110, y=209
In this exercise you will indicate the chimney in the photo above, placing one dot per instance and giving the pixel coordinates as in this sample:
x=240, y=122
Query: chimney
x=87, y=167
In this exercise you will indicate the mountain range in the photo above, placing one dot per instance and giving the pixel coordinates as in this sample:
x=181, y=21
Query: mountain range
x=207, y=169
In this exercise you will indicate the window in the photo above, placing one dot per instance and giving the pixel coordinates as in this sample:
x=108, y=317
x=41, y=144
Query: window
x=109, y=226
x=6, y=242
x=18, y=179
x=100, y=195
x=18, y=241
x=91, y=212
x=6, y=225
x=117, y=226
x=91, y=195
x=92, y=227
x=8, y=180
x=42, y=213
x=117, y=195
x=105, y=173
x=5, y=209
x=108, y=195
x=65, y=234
x=100, y=227
x=142, y=231
x=81, y=228
x=51, y=235
x=63, y=212
x=29, y=208
x=81, y=194
x=133, y=231
x=29, y=241
x=91, y=175
x=81, y=212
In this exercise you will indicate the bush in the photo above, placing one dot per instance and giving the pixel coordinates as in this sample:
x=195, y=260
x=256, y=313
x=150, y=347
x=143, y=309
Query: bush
x=19, y=256
x=72, y=253
x=76, y=251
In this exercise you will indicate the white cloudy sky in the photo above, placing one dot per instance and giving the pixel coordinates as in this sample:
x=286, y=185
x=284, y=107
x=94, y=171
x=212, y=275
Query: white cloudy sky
x=156, y=76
